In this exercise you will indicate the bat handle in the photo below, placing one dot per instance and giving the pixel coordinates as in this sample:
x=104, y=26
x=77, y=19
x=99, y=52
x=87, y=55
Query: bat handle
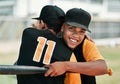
x=110, y=72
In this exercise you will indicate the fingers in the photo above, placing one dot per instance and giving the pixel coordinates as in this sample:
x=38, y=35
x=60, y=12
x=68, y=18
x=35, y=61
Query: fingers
x=89, y=38
x=48, y=72
x=55, y=69
x=51, y=72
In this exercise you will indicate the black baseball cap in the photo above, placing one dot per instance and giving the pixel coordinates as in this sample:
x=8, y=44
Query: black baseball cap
x=52, y=15
x=78, y=17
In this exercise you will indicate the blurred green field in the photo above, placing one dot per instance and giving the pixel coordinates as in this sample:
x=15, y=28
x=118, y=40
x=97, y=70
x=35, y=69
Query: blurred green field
x=111, y=54
x=8, y=59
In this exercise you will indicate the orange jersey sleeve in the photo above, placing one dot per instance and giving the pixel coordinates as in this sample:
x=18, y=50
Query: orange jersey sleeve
x=90, y=51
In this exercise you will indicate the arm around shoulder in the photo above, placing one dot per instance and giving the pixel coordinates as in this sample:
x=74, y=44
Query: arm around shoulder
x=92, y=68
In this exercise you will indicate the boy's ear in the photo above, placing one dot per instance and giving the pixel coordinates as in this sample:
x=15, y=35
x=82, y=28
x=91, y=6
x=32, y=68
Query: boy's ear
x=43, y=25
x=62, y=27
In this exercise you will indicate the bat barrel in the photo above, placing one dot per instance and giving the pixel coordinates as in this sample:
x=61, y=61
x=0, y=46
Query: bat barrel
x=17, y=69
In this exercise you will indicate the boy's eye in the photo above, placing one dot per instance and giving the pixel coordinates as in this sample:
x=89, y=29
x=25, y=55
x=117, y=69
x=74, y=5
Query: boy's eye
x=71, y=28
x=83, y=31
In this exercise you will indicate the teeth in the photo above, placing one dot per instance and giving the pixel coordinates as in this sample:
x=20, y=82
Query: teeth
x=73, y=40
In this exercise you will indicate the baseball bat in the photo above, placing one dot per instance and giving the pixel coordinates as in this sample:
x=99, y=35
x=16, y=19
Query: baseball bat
x=18, y=69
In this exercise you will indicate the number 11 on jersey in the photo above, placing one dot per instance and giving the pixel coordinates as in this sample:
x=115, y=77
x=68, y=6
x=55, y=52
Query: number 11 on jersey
x=42, y=41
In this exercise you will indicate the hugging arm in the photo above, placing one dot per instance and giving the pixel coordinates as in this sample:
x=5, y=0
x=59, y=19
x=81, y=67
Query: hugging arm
x=92, y=68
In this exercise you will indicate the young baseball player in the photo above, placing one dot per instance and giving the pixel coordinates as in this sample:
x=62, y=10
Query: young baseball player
x=41, y=47
x=86, y=59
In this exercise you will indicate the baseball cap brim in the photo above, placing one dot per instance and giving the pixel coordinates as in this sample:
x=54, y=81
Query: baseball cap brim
x=36, y=18
x=78, y=25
